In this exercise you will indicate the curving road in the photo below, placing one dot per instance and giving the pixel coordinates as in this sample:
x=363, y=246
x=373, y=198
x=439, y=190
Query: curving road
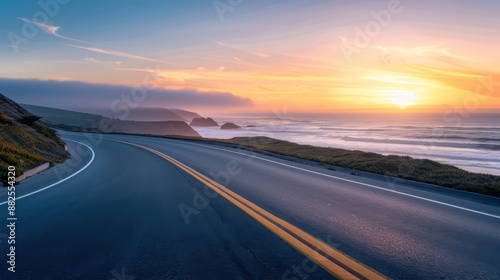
x=123, y=212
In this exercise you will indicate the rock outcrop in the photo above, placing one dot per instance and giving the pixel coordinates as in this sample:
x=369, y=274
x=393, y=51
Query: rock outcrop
x=230, y=125
x=175, y=128
x=203, y=122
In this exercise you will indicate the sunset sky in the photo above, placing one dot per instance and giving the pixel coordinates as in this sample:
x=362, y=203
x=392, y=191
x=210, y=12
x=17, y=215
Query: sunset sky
x=243, y=55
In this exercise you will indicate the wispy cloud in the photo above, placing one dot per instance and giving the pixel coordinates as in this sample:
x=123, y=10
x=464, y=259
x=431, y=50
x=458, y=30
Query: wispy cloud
x=242, y=49
x=18, y=47
x=432, y=54
x=243, y=62
x=52, y=30
x=93, y=60
x=120, y=54
x=201, y=79
x=435, y=63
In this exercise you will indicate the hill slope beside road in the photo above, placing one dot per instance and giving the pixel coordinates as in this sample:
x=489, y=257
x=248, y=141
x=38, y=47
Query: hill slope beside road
x=25, y=142
x=54, y=116
x=152, y=115
x=168, y=123
x=187, y=115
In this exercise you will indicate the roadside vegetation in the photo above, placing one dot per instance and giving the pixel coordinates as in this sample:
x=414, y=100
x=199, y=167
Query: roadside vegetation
x=24, y=144
x=405, y=167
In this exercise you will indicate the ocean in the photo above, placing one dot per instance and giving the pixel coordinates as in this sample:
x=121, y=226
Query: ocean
x=471, y=142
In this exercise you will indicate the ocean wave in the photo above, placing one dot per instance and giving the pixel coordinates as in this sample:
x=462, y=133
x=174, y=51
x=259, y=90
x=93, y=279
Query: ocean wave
x=277, y=119
x=405, y=126
x=493, y=147
x=482, y=128
x=352, y=129
x=466, y=128
x=478, y=139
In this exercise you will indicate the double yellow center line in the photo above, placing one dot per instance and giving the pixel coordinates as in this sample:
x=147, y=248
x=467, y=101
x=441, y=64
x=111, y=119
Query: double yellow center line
x=331, y=259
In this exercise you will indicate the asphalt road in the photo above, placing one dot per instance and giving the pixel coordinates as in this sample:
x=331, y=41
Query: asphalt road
x=127, y=213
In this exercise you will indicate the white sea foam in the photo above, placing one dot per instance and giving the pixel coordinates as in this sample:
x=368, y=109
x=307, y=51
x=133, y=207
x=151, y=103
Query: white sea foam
x=473, y=145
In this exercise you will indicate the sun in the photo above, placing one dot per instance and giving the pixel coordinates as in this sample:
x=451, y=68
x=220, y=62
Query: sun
x=403, y=98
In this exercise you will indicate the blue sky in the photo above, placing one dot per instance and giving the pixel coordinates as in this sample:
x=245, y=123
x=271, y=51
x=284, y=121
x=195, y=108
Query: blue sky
x=275, y=53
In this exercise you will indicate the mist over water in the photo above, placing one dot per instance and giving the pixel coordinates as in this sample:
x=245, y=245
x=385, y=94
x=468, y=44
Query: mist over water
x=469, y=142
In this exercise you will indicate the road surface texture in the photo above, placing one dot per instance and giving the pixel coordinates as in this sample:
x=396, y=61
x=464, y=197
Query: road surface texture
x=125, y=212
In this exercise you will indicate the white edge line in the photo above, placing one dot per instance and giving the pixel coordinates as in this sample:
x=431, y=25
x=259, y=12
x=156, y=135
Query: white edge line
x=67, y=178
x=347, y=180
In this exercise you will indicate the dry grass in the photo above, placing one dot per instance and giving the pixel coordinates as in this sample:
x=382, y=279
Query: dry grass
x=421, y=170
x=26, y=147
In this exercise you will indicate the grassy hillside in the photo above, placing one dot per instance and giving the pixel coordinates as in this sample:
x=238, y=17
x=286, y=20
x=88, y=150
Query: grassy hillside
x=187, y=115
x=24, y=141
x=57, y=116
x=26, y=147
x=78, y=122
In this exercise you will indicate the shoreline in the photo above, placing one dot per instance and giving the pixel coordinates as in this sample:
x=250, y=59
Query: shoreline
x=476, y=160
x=422, y=171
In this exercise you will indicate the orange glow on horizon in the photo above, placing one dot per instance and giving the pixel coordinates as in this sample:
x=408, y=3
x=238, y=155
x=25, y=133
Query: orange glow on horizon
x=419, y=82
